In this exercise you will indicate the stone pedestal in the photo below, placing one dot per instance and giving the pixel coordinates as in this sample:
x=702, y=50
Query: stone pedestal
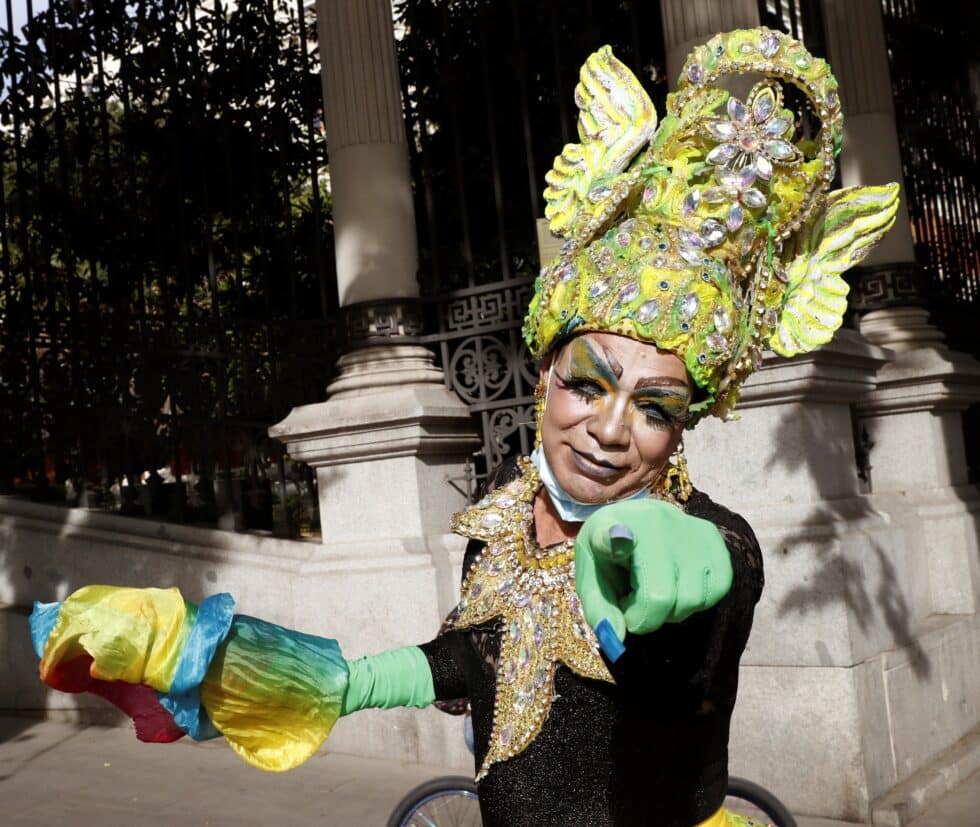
x=863, y=660
x=914, y=423
x=389, y=448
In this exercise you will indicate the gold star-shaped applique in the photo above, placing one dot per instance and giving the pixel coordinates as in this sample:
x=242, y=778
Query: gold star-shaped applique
x=532, y=593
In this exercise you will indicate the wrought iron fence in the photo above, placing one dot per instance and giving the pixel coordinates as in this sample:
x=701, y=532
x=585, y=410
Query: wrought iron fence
x=165, y=269
x=488, y=89
x=934, y=56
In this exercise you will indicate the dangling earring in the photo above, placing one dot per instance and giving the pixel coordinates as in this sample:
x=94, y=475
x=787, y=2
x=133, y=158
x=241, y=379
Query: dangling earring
x=540, y=395
x=674, y=484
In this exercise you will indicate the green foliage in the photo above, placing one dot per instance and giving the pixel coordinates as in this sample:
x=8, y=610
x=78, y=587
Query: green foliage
x=165, y=274
x=489, y=91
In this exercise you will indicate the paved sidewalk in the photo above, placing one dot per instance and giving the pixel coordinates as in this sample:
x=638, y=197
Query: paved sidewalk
x=59, y=774
x=56, y=773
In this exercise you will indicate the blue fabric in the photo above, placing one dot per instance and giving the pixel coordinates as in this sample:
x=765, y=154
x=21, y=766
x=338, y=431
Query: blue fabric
x=183, y=701
x=43, y=618
x=569, y=509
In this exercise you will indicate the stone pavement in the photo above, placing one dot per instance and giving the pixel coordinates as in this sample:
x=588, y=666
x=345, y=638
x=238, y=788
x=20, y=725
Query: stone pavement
x=55, y=773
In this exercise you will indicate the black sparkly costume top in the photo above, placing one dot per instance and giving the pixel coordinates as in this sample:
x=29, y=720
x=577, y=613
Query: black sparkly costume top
x=651, y=749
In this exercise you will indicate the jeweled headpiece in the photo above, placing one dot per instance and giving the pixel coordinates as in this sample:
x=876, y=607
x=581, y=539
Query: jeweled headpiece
x=713, y=236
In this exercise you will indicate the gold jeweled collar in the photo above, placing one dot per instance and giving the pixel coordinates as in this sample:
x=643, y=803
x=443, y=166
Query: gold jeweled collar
x=532, y=592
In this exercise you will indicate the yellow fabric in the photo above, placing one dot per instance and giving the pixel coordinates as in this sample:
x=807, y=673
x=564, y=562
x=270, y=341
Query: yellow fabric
x=133, y=635
x=726, y=818
x=274, y=694
x=719, y=819
x=730, y=819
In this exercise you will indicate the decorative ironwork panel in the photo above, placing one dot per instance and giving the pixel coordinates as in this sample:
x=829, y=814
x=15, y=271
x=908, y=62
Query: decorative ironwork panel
x=487, y=364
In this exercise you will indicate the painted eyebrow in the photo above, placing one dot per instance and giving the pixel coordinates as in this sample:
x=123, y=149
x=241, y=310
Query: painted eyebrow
x=609, y=369
x=661, y=382
x=613, y=362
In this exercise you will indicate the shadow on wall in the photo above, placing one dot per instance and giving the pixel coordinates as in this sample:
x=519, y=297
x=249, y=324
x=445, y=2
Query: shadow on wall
x=870, y=587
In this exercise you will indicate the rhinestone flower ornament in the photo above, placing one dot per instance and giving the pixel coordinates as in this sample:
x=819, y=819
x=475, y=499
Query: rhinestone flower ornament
x=752, y=134
x=711, y=235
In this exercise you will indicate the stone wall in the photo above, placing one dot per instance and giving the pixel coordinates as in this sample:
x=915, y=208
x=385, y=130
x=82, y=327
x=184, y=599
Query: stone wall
x=370, y=599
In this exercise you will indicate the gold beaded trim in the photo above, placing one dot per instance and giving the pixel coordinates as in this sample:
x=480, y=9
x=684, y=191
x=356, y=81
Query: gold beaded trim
x=547, y=558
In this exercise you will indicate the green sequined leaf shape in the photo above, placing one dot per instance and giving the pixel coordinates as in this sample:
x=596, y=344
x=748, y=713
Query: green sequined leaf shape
x=852, y=222
x=616, y=119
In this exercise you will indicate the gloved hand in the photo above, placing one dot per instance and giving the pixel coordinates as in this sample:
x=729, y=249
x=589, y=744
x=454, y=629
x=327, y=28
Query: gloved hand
x=642, y=563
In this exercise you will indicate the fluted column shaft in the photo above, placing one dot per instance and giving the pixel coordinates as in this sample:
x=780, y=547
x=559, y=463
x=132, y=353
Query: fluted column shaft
x=858, y=54
x=370, y=182
x=690, y=22
x=886, y=287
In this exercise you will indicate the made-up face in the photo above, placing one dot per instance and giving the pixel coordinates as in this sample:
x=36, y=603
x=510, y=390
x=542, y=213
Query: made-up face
x=615, y=411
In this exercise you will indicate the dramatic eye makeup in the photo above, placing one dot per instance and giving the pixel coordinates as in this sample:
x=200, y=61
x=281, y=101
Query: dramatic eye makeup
x=663, y=405
x=589, y=376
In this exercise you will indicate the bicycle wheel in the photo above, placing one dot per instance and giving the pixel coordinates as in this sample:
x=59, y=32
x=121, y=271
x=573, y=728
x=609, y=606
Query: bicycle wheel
x=442, y=802
x=756, y=803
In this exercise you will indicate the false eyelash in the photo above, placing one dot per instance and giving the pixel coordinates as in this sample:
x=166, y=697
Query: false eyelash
x=582, y=388
x=657, y=417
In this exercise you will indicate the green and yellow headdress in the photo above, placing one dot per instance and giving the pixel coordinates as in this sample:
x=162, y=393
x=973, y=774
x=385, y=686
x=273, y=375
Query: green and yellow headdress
x=713, y=235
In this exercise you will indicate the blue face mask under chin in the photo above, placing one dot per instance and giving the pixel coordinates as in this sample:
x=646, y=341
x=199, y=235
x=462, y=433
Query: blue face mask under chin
x=568, y=508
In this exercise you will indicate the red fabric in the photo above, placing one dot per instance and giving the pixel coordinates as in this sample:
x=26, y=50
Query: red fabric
x=152, y=722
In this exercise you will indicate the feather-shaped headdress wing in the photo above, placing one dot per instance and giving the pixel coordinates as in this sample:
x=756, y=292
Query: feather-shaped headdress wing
x=616, y=119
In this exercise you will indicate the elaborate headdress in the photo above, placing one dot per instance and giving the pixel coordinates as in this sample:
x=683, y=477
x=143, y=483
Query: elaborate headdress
x=712, y=236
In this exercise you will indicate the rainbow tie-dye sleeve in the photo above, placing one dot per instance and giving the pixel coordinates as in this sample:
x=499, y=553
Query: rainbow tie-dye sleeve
x=179, y=669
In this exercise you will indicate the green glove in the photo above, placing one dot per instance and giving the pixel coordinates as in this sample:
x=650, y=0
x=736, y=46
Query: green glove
x=401, y=677
x=642, y=563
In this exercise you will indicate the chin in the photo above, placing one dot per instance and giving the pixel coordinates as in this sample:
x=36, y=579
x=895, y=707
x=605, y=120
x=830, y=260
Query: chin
x=592, y=492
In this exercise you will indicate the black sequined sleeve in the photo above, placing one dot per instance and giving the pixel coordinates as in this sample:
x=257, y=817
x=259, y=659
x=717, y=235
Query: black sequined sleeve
x=447, y=652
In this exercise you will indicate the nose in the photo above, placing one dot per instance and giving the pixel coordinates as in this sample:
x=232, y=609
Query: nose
x=609, y=426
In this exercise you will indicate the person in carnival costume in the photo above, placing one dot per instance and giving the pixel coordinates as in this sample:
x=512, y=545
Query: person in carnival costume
x=605, y=602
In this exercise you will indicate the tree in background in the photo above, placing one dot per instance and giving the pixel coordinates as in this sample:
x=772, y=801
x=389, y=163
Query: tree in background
x=165, y=274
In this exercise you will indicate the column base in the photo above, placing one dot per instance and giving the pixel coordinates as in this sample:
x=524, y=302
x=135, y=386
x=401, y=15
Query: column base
x=389, y=446
x=901, y=328
x=380, y=368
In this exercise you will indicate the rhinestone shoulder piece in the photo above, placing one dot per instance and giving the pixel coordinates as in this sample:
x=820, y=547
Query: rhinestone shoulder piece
x=531, y=593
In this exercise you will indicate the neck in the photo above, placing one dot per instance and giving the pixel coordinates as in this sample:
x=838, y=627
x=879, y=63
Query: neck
x=549, y=528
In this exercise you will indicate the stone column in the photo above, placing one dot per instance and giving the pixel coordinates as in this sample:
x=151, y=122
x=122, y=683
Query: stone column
x=848, y=464
x=913, y=418
x=887, y=287
x=390, y=443
x=688, y=23
x=391, y=432
x=371, y=191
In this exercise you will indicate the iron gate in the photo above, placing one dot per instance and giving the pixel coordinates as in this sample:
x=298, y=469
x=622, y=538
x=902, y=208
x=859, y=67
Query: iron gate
x=165, y=265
